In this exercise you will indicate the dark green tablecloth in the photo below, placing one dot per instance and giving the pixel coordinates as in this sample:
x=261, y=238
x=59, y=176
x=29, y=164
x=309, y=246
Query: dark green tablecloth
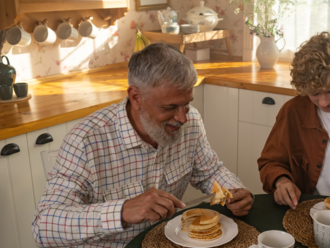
x=264, y=215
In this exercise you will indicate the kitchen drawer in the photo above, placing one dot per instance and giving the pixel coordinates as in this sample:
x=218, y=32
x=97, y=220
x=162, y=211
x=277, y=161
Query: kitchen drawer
x=252, y=110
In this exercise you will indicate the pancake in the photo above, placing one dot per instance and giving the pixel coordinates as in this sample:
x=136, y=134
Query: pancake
x=196, y=226
x=221, y=194
x=210, y=237
x=327, y=203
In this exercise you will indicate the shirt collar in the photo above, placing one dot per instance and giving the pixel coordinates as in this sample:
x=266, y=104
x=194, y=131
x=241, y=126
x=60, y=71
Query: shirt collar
x=312, y=119
x=129, y=136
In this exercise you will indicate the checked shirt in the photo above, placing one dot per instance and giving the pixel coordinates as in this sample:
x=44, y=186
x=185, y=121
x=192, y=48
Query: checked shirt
x=103, y=162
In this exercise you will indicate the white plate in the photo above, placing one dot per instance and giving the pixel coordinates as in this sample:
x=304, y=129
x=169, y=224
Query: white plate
x=317, y=207
x=173, y=232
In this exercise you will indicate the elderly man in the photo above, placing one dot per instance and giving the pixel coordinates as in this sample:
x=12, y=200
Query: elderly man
x=127, y=166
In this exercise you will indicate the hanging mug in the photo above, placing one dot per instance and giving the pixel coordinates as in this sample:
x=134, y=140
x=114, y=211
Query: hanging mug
x=43, y=34
x=65, y=31
x=87, y=28
x=16, y=36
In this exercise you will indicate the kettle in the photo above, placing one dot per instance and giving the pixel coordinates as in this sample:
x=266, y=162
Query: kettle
x=167, y=15
x=7, y=73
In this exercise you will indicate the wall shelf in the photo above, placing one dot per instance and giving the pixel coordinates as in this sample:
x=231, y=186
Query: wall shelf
x=29, y=12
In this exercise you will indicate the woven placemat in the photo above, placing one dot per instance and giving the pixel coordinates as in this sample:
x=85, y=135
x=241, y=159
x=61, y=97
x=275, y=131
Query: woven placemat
x=300, y=224
x=247, y=235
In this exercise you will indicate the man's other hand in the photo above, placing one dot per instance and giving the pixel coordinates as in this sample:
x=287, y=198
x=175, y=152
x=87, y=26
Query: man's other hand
x=152, y=205
x=286, y=193
x=241, y=202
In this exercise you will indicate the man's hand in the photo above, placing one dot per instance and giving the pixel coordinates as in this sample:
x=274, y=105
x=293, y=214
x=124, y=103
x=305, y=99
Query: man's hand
x=286, y=193
x=241, y=202
x=151, y=205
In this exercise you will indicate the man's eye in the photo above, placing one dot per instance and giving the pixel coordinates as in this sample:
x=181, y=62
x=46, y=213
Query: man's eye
x=170, y=108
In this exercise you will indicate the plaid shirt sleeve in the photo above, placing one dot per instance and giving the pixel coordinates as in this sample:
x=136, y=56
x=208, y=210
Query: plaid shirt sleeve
x=208, y=168
x=65, y=217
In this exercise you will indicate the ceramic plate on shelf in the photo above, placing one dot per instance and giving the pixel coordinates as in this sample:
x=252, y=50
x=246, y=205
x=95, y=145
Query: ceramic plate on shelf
x=317, y=207
x=173, y=232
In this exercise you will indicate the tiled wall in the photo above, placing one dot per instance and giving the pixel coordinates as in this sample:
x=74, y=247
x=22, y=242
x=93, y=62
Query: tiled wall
x=113, y=45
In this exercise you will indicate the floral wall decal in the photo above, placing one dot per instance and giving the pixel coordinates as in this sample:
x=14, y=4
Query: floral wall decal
x=114, y=44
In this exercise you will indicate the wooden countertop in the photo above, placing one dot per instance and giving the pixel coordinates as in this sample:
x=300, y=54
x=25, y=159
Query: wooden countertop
x=64, y=99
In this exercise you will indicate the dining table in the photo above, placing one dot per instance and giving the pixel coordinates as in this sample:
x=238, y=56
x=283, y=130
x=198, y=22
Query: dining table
x=264, y=215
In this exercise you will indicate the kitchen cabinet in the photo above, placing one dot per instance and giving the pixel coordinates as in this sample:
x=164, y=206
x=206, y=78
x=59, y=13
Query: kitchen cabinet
x=37, y=170
x=221, y=120
x=198, y=102
x=220, y=116
x=22, y=183
x=256, y=120
x=18, y=200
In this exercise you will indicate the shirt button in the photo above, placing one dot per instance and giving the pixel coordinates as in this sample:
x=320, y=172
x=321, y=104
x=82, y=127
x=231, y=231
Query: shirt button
x=324, y=141
x=319, y=166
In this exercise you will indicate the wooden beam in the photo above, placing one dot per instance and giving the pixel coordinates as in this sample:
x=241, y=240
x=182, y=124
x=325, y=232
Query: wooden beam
x=64, y=6
x=8, y=13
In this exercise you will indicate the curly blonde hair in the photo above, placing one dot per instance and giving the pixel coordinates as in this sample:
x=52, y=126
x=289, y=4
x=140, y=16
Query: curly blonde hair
x=310, y=68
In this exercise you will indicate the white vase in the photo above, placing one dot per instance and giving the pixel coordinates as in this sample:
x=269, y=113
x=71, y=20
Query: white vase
x=268, y=52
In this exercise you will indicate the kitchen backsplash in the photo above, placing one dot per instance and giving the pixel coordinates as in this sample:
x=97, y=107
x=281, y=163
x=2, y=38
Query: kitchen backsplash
x=113, y=45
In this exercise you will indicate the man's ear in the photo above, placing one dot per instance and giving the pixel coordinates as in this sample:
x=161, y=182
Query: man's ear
x=135, y=97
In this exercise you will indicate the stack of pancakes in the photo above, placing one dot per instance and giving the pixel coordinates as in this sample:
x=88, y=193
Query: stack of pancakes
x=202, y=224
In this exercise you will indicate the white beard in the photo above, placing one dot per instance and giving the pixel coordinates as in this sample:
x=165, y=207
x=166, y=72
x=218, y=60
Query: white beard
x=159, y=134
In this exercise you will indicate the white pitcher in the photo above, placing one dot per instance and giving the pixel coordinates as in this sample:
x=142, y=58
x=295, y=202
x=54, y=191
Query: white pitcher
x=268, y=52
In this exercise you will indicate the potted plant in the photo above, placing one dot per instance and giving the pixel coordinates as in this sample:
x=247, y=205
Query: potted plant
x=264, y=19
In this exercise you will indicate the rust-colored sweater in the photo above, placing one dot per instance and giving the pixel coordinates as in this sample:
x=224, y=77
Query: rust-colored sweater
x=295, y=147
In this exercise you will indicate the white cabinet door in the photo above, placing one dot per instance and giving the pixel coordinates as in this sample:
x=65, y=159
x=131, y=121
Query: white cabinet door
x=8, y=224
x=21, y=190
x=252, y=139
x=198, y=101
x=221, y=121
x=39, y=181
x=71, y=124
x=192, y=193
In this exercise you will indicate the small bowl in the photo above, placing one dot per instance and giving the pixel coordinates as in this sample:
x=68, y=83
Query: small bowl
x=190, y=28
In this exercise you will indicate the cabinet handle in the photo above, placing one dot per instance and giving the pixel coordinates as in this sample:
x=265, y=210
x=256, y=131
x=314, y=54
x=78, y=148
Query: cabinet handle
x=268, y=100
x=10, y=149
x=44, y=139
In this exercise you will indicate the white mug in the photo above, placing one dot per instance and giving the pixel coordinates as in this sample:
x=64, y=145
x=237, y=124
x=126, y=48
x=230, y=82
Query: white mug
x=16, y=36
x=65, y=31
x=321, y=224
x=274, y=239
x=87, y=28
x=43, y=34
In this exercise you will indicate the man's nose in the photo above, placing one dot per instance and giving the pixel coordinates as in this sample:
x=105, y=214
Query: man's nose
x=181, y=115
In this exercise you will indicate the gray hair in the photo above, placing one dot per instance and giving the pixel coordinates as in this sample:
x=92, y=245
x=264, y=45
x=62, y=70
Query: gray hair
x=159, y=64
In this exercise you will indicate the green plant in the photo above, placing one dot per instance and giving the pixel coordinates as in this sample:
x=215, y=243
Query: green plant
x=266, y=14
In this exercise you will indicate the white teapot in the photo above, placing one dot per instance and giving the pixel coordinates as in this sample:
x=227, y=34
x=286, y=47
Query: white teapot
x=203, y=16
x=167, y=15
